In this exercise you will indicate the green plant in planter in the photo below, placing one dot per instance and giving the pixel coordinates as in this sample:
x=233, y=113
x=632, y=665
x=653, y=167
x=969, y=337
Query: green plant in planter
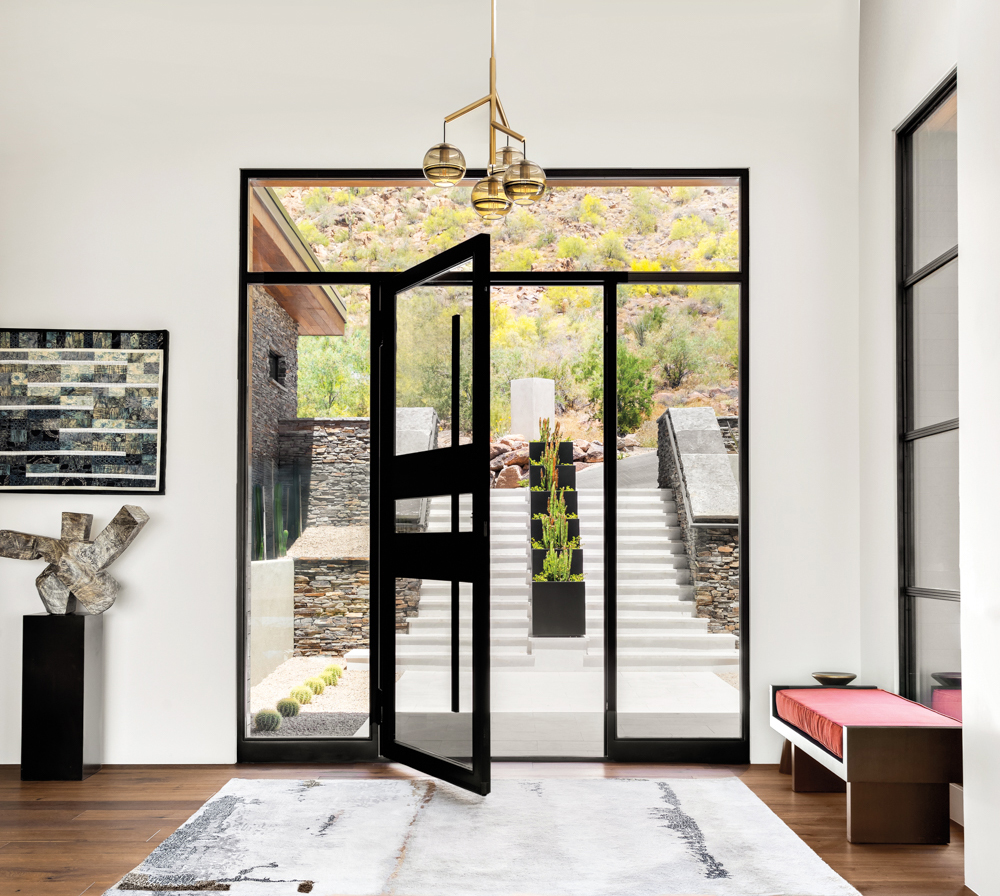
x=288, y=707
x=556, y=568
x=302, y=694
x=279, y=522
x=267, y=720
x=315, y=685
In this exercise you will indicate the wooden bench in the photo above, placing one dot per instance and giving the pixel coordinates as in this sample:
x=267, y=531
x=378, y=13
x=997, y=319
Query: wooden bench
x=896, y=775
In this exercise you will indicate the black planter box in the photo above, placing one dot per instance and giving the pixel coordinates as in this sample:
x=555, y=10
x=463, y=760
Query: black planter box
x=536, y=449
x=536, y=529
x=540, y=502
x=558, y=609
x=538, y=559
x=567, y=475
x=62, y=697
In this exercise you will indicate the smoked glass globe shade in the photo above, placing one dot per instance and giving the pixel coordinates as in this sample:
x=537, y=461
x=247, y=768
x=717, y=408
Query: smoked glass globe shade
x=489, y=199
x=505, y=157
x=444, y=165
x=524, y=182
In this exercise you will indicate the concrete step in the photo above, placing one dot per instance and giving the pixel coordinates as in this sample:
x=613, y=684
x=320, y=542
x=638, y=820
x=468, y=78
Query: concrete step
x=665, y=657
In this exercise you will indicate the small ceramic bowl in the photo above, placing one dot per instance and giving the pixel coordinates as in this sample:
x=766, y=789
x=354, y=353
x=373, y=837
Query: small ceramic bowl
x=831, y=679
x=948, y=679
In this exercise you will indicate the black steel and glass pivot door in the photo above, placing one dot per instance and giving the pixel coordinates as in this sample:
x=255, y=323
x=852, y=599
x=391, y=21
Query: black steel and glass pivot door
x=433, y=533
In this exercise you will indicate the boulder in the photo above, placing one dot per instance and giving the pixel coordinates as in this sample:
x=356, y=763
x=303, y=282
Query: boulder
x=509, y=477
x=496, y=465
x=519, y=457
x=629, y=441
x=496, y=449
x=595, y=454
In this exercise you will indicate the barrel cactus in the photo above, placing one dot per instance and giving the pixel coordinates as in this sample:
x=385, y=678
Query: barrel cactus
x=288, y=707
x=302, y=694
x=315, y=685
x=330, y=678
x=267, y=720
x=335, y=669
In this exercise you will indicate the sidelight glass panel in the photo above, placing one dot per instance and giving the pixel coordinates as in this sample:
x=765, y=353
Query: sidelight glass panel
x=678, y=496
x=432, y=514
x=307, y=606
x=431, y=713
x=934, y=149
x=935, y=511
x=547, y=682
x=937, y=661
x=688, y=224
x=934, y=303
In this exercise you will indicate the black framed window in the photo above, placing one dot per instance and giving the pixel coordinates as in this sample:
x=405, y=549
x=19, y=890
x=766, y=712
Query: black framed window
x=927, y=265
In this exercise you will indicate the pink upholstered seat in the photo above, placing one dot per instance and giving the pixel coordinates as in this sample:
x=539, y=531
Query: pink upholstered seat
x=823, y=713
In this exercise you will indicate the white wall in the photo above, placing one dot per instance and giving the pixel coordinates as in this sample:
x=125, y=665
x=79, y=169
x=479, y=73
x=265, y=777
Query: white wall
x=907, y=48
x=125, y=125
x=979, y=372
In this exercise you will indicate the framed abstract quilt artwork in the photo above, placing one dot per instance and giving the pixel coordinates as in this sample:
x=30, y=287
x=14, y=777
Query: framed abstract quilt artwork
x=83, y=411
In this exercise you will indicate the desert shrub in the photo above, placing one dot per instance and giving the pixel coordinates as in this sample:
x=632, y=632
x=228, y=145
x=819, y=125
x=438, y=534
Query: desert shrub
x=460, y=195
x=591, y=211
x=316, y=685
x=518, y=224
x=643, y=214
x=315, y=200
x=267, y=720
x=684, y=195
x=611, y=250
x=679, y=359
x=634, y=398
x=729, y=335
x=706, y=248
x=445, y=225
x=720, y=224
x=545, y=238
x=690, y=228
x=516, y=259
x=311, y=234
x=288, y=707
x=302, y=694
x=639, y=328
x=571, y=247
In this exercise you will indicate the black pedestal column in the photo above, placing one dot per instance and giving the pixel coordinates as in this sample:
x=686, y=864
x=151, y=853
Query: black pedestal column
x=62, y=697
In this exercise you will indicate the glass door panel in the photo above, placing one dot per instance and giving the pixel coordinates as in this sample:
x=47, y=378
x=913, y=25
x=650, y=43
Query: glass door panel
x=434, y=532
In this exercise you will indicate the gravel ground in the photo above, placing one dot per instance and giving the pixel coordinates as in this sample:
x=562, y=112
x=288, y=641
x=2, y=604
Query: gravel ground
x=349, y=696
x=331, y=542
x=732, y=678
x=324, y=724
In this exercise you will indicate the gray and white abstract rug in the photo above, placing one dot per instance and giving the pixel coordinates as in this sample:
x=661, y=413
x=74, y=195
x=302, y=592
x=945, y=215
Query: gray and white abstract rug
x=548, y=837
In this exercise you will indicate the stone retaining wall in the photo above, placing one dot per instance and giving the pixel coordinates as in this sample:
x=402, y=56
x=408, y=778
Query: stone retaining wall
x=333, y=458
x=332, y=606
x=713, y=552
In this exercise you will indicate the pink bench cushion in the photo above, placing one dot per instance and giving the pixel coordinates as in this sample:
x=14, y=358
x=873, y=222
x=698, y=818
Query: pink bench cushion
x=823, y=713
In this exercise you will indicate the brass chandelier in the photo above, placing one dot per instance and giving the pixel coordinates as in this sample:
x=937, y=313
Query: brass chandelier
x=511, y=179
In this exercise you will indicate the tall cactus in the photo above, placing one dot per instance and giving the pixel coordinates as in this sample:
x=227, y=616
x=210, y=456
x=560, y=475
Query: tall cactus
x=557, y=566
x=281, y=533
x=257, y=550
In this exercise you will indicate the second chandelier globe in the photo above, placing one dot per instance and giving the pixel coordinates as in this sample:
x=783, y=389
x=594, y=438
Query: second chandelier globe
x=511, y=179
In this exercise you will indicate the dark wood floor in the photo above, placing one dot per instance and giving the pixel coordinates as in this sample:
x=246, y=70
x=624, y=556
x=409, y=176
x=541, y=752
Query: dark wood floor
x=71, y=838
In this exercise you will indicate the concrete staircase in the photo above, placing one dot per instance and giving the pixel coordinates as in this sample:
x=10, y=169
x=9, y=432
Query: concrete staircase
x=657, y=625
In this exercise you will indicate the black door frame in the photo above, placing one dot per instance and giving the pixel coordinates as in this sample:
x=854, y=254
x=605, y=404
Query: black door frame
x=712, y=750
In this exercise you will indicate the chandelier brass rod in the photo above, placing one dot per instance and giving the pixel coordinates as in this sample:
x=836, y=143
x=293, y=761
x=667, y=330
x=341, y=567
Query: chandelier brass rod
x=468, y=108
x=511, y=133
x=503, y=115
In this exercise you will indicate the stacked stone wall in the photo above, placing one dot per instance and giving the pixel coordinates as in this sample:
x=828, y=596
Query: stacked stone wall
x=333, y=458
x=713, y=552
x=332, y=606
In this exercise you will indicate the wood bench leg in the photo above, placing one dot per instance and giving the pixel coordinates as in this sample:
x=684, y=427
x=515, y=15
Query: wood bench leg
x=809, y=776
x=897, y=813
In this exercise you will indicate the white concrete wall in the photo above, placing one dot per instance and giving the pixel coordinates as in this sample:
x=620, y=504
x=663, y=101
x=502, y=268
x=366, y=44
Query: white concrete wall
x=272, y=615
x=907, y=48
x=979, y=372
x=124, y=128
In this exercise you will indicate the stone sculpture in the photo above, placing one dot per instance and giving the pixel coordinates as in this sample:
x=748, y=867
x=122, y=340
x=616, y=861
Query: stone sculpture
x=75, y=574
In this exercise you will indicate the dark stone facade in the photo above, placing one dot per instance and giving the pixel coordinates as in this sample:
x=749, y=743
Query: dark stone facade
x=274, y=330
x=713, y=551
x=332, y=606
x=332, y=457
